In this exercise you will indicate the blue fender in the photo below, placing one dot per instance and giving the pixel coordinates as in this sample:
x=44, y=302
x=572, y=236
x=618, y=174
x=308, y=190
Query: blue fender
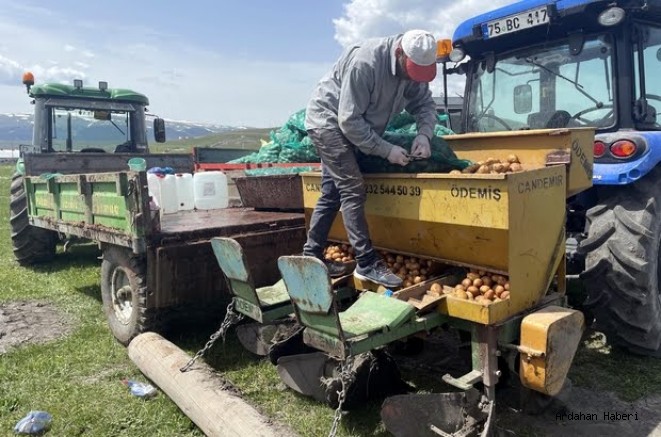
x=627, y=172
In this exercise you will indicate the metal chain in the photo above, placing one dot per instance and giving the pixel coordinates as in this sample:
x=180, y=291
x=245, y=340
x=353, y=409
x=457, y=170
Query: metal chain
x=347, y=378
x=231, y=318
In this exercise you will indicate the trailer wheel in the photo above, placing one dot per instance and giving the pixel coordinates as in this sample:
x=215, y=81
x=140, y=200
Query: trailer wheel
x=622, y=265
x=31, y=245
x=124, y=293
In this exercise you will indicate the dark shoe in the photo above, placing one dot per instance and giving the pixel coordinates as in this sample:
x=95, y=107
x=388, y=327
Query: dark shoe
x=378, y=273
x=337, y=269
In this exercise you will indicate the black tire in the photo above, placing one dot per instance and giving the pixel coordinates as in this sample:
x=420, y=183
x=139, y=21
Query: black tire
x=31, y=245
x=622, y=265
x=124, y=293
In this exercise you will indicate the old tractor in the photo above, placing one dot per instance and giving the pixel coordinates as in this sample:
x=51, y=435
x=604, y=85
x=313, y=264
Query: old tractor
x=72, y=125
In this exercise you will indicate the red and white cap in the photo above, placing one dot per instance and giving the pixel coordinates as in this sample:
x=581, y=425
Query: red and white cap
x=420, y=48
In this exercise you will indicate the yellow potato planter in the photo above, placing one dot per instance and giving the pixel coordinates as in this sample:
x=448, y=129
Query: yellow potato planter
x=511, y=223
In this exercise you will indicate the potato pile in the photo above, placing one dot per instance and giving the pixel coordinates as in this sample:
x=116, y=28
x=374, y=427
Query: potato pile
x=411, y=270
x=340, y=253
x=493, y=166
x=481, y=287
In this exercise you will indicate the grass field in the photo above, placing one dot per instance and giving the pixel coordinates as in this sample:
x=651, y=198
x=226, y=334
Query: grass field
x=244, y=138
x=77, y=377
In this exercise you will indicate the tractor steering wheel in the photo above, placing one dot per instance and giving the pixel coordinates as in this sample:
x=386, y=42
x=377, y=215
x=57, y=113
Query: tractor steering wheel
x=653, y=97
x=496, y=118
x=579, y=115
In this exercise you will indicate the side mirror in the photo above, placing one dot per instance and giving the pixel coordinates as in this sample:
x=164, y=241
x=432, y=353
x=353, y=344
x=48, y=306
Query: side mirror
x=159, y=130
x=522, y=99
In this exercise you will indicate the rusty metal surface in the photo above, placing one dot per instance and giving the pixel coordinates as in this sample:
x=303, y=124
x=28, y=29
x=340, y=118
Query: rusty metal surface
x=558, y=157
x=227, y=222
x=274, y=192
x=73, y=163
x=188, y=272
x=92, y=232
x=106, y=217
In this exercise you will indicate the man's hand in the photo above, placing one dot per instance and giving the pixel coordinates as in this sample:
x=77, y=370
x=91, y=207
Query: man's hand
x=421, y=147
x=398, y=156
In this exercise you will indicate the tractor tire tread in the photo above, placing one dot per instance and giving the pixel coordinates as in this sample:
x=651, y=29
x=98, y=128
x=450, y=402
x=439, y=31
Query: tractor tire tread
x=31, y=245
x=621, y=276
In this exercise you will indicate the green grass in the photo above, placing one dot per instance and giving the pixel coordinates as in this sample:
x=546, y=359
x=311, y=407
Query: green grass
x=77, y=378
x=602, y=367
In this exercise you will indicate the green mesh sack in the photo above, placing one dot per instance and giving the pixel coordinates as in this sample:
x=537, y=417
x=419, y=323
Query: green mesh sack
x=297, y=122
x=442, y=159
x=290, y=143
x=405, y=123
x=400, y=121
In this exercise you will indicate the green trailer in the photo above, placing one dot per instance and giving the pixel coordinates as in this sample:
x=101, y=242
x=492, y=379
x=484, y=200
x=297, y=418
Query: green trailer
x=153, y=266
x=74, y=183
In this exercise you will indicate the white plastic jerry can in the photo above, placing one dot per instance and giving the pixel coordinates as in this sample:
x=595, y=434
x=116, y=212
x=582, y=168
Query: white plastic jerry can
x=169, y=202
x=211, y=191
x=185, y=191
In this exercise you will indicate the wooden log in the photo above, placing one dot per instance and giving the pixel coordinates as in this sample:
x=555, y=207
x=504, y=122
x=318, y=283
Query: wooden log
x=199, y=392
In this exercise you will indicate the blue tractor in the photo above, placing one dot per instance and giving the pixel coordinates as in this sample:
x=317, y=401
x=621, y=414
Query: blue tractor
x=539, y=64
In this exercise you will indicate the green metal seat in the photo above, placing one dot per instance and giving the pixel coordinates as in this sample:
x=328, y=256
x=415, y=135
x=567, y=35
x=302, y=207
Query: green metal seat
x=263, y=304
x=372, y=321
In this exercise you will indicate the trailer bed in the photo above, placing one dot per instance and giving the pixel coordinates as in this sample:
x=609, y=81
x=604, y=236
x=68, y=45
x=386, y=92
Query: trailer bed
x=228, y=221
x=184, y=268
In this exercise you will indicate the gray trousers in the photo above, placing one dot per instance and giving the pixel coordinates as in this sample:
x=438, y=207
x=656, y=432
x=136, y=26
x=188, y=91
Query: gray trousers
x=342, y=184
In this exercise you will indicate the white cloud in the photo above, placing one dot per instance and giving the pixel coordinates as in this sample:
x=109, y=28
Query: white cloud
x=10, y=70
x=373, y=18
x=56, y=73
x=184, y=81
x=364, y=19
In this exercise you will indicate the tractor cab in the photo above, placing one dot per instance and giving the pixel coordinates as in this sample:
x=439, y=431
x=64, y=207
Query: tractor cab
x=74, y=118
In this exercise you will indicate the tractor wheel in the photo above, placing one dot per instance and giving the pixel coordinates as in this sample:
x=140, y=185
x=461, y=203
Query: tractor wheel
x=124, y=293
x=31, y=245
x=622, y=265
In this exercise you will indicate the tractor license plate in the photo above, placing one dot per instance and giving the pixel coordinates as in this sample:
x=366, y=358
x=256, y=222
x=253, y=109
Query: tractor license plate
x=514, y=23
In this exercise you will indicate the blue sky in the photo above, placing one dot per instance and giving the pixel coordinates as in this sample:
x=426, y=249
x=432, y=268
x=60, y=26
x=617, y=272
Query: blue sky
x=249, y=63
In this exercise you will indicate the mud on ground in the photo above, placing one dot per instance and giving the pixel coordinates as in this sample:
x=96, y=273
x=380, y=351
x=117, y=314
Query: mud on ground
x=27, y=322
x=577, y=411
x=587, y=412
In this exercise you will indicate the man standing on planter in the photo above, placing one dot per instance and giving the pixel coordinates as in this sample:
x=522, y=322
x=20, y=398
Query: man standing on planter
x=348, y=113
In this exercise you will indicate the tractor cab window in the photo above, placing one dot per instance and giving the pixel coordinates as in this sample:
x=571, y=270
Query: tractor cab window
x=544, y=87
x=89, y=130
x=648, y=116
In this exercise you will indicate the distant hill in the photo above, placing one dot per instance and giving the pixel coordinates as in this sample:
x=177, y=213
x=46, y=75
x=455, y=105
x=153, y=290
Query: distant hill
x=244, y=138
x=17, y=129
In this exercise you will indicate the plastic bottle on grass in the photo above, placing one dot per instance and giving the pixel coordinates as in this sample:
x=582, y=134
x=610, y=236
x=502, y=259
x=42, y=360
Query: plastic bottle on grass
x=35, y=422
x=140, y=389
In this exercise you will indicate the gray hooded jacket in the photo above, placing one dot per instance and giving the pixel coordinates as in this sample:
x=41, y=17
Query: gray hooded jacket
x=361, y=94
